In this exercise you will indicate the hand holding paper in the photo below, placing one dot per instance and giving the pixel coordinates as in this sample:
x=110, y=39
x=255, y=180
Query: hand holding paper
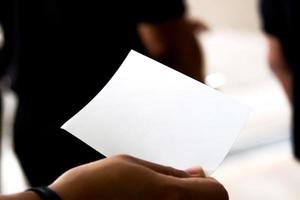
x=152, y=112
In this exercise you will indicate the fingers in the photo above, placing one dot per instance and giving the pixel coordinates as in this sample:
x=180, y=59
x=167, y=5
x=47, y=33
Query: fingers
x=206, y=188
x=191, y=172
x=198, y=188
x=198, y=26
x=156, y=167
x=195, y=172
x=189, y=184
x=203, y=27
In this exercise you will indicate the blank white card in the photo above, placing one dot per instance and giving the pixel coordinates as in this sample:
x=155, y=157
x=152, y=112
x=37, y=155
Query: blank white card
x=155, y=113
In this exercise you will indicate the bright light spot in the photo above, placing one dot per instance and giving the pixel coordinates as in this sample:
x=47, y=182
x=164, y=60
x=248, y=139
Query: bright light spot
x=1, y=37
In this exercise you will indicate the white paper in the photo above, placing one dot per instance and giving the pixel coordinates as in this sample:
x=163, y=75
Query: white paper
x=155, y=113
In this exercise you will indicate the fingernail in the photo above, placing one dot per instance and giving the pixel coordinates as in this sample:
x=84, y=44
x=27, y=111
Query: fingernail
x=195, y=171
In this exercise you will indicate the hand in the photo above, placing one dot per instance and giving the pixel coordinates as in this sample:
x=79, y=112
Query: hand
x=197, y=26
x=280, y=66
x=125, y=177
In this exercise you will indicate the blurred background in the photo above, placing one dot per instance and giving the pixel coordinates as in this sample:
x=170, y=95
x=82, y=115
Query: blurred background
x=260, y=164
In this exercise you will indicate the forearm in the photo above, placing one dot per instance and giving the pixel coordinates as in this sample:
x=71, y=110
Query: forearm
x=21, y=196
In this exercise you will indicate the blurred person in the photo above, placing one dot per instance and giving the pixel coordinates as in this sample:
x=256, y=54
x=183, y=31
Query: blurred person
x=126, y=177
x=279, y=21
x=66, y=52
x=5, y=61
x=4, y=54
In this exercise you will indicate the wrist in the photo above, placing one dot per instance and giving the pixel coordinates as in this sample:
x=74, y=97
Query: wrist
x=31, y=195
x=45, y=193
x=28, y=195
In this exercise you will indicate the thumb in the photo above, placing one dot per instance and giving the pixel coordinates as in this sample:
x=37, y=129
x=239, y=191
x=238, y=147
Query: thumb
x=195, y=172
x=157, y=168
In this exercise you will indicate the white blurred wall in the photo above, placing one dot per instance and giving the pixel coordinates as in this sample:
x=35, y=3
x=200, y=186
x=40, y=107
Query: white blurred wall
x=227, y=14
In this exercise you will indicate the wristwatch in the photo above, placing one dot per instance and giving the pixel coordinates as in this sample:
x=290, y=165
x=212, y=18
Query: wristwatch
x=45, y=193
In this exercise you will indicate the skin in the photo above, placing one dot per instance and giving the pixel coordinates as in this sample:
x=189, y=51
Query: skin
x=279, y=66
x=174, y=43
x=21, y=196
x=126, y=177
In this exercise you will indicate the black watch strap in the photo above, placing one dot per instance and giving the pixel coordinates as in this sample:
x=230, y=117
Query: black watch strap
x=45, y=193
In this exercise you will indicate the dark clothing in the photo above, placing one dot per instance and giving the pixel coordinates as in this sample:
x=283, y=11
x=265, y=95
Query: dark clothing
x=281, y=19
x=67, y=53
x=8, y=51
